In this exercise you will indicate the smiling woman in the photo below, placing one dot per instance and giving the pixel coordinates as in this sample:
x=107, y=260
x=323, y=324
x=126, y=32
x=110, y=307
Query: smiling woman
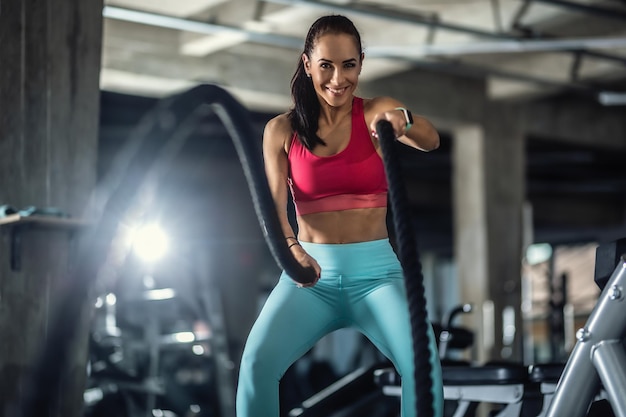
x=324, y=150
x=334, y=67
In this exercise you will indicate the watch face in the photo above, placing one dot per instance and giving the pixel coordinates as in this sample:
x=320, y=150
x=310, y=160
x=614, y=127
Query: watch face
x=407, y=116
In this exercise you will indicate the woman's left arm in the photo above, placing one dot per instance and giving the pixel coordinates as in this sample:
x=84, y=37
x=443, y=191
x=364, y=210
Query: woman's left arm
x=421, y=134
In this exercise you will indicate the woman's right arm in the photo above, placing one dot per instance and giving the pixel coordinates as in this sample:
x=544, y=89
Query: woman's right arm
x=275, y=137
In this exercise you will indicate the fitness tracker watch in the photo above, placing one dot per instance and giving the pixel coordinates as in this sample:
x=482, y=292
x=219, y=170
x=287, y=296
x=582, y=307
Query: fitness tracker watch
x=407, y=116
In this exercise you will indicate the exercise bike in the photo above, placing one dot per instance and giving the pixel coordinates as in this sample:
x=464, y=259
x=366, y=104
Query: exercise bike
x=595, y=370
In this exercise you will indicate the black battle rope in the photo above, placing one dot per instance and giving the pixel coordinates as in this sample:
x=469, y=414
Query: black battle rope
x=146, y=145
x=412, y=267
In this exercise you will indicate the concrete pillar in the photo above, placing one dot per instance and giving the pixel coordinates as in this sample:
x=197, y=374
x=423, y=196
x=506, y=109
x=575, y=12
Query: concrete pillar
x=49, y=108
x=488, y=186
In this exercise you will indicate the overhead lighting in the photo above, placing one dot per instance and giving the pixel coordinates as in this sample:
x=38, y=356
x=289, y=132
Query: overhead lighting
x=111, y=299
x=160, y=294
x=184, y=337
x=149, y=242
x=607, y=98
x=538, y=253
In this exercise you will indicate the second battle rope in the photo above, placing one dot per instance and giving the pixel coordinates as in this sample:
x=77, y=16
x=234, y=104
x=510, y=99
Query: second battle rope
x=412, y=267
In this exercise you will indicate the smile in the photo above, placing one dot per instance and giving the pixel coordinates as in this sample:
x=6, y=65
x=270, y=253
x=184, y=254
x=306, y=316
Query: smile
x=336, y=91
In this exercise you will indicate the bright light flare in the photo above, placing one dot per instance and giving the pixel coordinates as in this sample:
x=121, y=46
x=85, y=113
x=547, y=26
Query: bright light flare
x=149, y=242
x=538, y=253
x=184, y=337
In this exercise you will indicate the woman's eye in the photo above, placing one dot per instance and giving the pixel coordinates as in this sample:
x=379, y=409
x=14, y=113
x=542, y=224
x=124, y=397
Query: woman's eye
x=325, y=65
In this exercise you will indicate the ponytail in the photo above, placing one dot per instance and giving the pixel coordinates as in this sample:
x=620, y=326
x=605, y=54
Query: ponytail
x=304, y=117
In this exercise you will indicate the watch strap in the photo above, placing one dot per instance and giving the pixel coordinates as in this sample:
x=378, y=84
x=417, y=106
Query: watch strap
x=407, y=116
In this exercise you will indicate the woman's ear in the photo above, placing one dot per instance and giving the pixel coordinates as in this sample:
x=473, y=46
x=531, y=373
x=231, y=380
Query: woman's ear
x=306, y=63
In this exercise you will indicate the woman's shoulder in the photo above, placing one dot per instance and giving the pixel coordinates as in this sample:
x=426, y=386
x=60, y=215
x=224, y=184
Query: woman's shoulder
x=278, y=130
x=279, y=124
x=378, y=104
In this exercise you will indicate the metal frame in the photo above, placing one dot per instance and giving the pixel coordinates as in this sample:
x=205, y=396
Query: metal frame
x=599, y=358
x=596, y=368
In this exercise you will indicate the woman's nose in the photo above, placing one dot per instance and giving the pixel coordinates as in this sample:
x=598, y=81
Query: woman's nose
x=338, y=77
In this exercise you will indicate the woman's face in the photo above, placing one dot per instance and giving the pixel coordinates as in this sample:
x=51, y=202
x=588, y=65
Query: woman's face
x=334, y=66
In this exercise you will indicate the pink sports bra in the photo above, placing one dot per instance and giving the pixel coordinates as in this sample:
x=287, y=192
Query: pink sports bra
x=353, y=178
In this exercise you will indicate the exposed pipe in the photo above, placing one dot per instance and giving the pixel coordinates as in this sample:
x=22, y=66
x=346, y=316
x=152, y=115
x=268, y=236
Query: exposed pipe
x=609, y=13
x=569, y=45
x=170, y=22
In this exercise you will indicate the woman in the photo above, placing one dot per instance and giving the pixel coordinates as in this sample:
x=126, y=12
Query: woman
x=325, y=153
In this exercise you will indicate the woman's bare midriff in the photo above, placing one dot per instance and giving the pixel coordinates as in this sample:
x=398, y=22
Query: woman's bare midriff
x=346, y=226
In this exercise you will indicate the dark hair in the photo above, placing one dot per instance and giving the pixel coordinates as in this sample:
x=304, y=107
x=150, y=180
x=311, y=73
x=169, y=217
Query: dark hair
x=304, y=116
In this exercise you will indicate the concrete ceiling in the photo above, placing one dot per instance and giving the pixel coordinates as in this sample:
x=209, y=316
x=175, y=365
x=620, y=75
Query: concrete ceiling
x=444, y=57
x=523, y=49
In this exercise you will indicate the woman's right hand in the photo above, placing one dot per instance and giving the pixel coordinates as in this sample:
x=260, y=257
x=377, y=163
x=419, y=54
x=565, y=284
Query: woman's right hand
x=306, y=261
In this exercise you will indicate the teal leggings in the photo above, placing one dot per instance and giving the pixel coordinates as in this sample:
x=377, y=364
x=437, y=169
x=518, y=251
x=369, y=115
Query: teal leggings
x=361, y=287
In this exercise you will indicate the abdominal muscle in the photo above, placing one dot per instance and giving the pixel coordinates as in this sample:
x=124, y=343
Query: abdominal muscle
x=345, y=226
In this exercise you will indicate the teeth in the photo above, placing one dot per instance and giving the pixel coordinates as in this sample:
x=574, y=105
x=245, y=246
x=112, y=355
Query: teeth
x=332, y=90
